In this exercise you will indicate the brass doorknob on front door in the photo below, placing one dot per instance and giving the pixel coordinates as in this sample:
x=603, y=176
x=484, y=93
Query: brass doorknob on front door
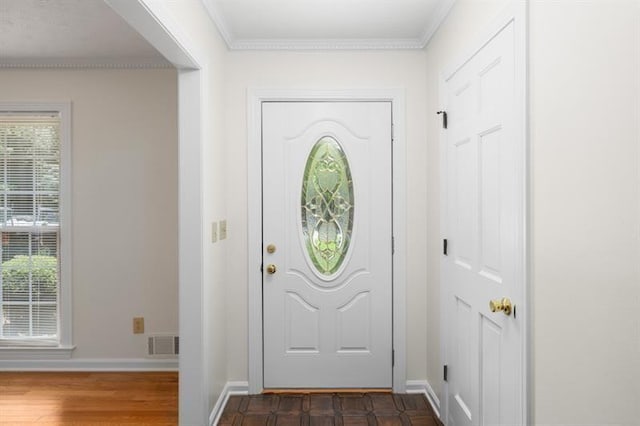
x=501, y=305
x=271, y=269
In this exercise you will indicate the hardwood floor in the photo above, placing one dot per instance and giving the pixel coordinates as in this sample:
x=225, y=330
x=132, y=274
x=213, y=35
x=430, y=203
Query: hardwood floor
x=337, y=409
x=91, y=399
x=88, y=399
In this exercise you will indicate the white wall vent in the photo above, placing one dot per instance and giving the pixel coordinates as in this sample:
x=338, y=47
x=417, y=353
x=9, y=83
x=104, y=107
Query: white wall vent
x=164, y=345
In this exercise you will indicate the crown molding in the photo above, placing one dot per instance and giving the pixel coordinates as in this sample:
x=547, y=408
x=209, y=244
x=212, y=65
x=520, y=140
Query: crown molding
x=83, y=63
x=219, y=22
x=432, y=25
x=325, y=44
x=438, y=17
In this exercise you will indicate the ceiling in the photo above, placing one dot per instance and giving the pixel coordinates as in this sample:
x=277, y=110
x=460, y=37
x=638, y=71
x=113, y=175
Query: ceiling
x=73, y=33
x=70, y=33
x=327, y=24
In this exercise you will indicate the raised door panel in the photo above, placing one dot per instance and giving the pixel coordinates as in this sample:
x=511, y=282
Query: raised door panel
x=302, y=325
x=491, y=347
x=464, y=196
x=462, y=384
x=490, y=234
x=354, y=324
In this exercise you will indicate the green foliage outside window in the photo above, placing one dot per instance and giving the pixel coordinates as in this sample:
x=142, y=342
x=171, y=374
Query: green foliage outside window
x=44, y=275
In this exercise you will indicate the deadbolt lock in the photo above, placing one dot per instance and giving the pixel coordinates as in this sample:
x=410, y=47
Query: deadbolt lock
x=271, y=248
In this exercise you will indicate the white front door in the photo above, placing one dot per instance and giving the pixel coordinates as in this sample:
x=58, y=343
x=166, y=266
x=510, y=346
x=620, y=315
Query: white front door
x=327, y=237
x=484, y=228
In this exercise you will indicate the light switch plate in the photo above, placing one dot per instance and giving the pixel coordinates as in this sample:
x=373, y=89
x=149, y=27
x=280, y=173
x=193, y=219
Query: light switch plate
x=223, y=229
x=214, y=232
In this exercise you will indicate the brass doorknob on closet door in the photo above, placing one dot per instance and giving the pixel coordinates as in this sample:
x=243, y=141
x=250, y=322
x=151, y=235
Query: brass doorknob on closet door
x=271, y=269
x=501, y=305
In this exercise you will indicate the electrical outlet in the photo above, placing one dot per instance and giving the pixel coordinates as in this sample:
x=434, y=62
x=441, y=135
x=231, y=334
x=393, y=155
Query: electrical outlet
x=138, y=325
x=223, y=229
x=214, y=232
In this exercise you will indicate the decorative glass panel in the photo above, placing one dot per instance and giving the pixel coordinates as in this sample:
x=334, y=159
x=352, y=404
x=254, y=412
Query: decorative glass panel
x=327, y=205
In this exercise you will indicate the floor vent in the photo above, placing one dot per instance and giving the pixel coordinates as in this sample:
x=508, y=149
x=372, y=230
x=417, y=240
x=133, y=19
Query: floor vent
x=164, y=345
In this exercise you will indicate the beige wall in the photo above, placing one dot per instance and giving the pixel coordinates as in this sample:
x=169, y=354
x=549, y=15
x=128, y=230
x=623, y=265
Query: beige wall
x=584, y=75
x=324, y=70
x=125, y=225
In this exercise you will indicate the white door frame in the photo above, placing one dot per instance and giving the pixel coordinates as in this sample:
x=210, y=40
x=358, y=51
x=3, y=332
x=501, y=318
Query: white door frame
x=254, y=131
x=159, y=28
x=515, y=12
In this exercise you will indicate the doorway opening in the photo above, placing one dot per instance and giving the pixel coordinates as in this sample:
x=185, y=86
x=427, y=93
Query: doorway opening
x=256, y=246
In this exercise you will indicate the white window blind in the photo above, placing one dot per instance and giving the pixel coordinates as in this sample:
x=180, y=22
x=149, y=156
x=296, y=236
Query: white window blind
x=30, y=226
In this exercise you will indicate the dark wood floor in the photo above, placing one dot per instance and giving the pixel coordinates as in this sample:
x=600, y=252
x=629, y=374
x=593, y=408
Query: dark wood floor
x=337, y=409
x=88, y=399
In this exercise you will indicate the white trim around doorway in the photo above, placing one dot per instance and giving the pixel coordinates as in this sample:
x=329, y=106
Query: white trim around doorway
x=157, y=25
x=254, y=121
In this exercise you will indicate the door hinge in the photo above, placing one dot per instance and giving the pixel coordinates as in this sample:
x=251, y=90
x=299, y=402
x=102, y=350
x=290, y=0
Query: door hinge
x=446, y=373
x=393, y=245
x=392, y=133
x=445, y=247
x=444, y=118
x=393, y=358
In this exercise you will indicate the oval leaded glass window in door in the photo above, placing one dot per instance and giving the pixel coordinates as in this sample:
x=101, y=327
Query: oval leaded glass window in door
x=327, y=205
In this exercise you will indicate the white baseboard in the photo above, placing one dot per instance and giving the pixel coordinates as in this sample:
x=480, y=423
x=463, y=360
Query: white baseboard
x=38, y=353
x=423, y=386
x=90, y=364
x=230, y=388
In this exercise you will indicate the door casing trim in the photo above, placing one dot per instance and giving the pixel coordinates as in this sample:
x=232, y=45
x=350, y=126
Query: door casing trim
x=255, y=97
x=516, y=11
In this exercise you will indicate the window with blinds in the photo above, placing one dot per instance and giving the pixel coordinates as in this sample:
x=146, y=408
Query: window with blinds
x=30, y=226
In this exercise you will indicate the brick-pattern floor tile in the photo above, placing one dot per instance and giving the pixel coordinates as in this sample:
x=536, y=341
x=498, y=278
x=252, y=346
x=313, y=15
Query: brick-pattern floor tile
x=415, y=402
x=228, y=417
x=322, y=420
x=289, y=420
x=255, y=419
x=383, y=402
x=290, y=403
x=321, y=404
x=233, y=403
x=361, y=420
x=262, y=403
x=337, y=409
x=423, y=421
x=389, y=420
x=354, y=404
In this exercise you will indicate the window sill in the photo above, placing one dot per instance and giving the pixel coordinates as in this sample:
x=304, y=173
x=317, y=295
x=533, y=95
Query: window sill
x=23, y=353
